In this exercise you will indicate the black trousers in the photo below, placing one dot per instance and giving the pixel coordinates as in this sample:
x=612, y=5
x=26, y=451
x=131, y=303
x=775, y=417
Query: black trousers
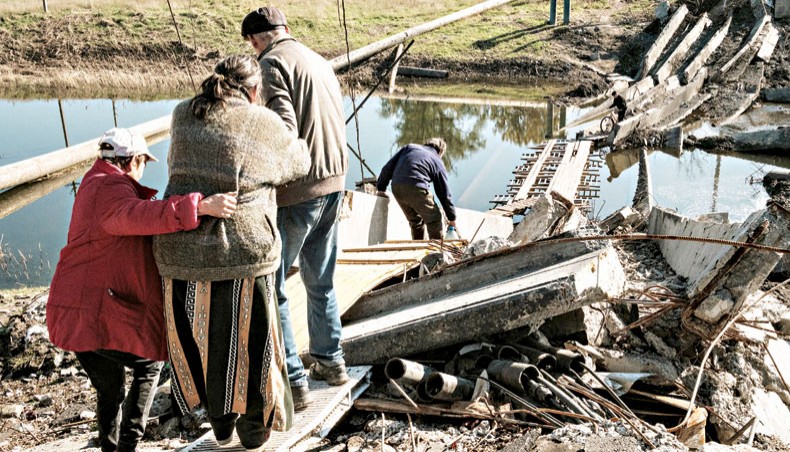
x=420, y=210
x=121, y=430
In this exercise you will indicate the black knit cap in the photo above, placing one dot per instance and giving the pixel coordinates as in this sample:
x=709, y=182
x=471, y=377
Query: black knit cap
x=266, y=18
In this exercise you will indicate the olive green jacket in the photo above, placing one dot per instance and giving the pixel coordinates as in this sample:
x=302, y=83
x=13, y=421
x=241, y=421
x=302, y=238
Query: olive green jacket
x=301, y=87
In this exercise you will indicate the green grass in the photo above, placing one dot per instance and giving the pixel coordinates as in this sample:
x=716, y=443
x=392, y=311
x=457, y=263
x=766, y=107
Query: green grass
x=82, y=33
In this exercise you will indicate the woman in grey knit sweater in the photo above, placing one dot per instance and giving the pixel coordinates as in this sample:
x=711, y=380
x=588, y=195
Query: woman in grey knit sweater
x=224, y=336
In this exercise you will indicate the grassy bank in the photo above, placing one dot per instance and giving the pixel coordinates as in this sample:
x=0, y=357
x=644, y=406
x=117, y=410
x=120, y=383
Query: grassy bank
x=112, y=47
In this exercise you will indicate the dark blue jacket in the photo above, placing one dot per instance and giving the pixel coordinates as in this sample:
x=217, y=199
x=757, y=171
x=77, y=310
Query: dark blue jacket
x=419, y=165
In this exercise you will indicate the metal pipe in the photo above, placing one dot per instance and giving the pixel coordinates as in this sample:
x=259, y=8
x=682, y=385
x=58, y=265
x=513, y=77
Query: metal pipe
x=441, y=386
x=566, y=360
x=512, y=374
x=406, y=372
x=539, y=392
x=568, y=399
x=539, y=358
x=510, y=353
x=569, y=361
x=43, y=165
x=422, y=392
x=369, y=50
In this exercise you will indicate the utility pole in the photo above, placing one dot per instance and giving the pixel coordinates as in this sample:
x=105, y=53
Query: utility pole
x=566, y=12
x=46, y=8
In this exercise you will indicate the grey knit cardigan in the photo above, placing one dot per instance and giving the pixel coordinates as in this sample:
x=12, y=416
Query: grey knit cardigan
x=241, y=147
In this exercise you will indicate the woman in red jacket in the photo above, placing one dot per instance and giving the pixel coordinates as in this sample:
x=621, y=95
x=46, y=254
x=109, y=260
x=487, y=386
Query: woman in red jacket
x=105, y=300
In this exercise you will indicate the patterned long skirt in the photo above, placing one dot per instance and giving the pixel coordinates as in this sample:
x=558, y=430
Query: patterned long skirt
x=226, y=352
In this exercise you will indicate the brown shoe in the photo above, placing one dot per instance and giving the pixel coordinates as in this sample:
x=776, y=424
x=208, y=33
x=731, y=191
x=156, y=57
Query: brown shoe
x=334, y=375
x=301, y=397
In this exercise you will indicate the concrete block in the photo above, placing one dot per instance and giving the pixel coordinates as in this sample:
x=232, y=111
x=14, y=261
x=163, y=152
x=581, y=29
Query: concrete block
x=715, y=217
x=715, y=306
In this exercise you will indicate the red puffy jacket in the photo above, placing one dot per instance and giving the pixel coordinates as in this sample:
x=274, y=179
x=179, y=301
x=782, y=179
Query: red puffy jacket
x=107, y=292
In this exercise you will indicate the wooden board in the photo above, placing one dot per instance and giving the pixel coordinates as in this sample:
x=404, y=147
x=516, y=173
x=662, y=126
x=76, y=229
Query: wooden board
x=358, y=271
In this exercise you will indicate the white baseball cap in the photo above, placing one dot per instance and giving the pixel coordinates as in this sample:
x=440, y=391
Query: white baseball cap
x=118, y=142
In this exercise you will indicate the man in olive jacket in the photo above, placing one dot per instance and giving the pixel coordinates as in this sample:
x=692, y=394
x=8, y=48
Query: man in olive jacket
x=301, y=86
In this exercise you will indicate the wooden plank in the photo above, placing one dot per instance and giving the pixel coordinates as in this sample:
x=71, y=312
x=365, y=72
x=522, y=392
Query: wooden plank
x=375, y=261
x=533, y=172
x=310, y=425
x=353, y=278
x=567, y=177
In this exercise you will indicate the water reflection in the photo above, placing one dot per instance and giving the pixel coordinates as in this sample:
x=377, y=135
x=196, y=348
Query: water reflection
x=461, y=126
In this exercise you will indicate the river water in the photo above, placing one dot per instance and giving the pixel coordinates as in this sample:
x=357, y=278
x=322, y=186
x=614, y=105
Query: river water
x=485, y=143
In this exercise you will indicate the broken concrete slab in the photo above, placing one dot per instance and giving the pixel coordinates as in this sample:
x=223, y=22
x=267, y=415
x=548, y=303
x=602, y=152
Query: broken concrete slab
x=730, y=104
x=673, y=62
x=715, y=217
x=666, y=103
x=779, y=355
x=658, y=46
x=623, y=218
x=779, y=95
x=763, y=140
x=721, y=276
x=540, y=221
x=688, y=258
x=489, y=294
x=750, y=47
x=699, y=61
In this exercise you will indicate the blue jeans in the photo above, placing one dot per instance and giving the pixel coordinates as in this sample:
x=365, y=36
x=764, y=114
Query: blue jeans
x=309, y=231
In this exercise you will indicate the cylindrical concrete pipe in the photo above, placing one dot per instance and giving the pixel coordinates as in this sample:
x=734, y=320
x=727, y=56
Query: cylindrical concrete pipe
x=441, y=386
